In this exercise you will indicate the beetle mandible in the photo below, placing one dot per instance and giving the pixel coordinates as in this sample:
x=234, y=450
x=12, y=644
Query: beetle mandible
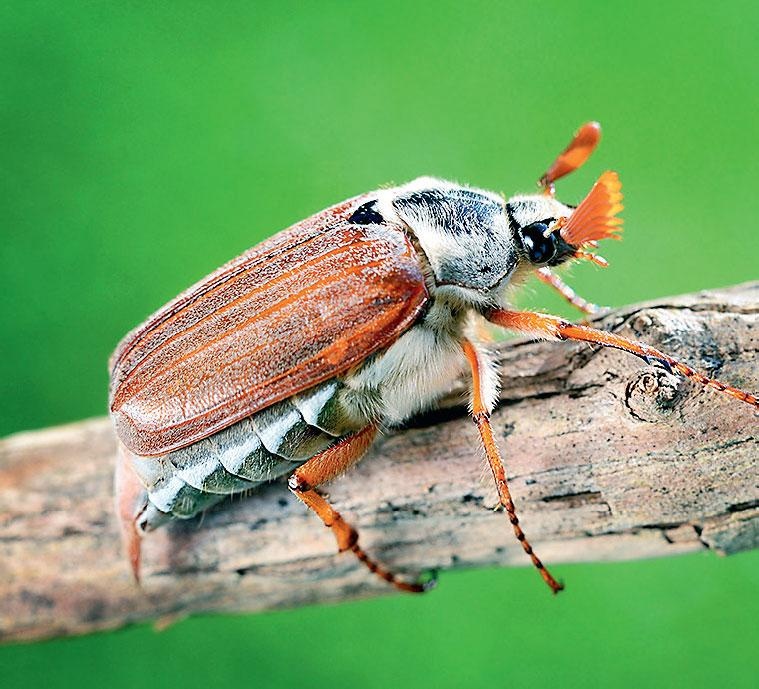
x=288, y=359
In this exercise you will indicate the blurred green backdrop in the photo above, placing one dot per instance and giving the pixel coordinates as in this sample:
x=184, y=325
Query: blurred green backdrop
x=143, y=144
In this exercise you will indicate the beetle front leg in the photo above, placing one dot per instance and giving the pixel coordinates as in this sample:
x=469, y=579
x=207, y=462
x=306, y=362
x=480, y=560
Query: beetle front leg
x=481, y=418
x=548, y=277
x=322, y=468
x=553, y=327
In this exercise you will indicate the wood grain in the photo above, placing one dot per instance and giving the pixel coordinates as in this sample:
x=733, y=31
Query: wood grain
x=608, y=460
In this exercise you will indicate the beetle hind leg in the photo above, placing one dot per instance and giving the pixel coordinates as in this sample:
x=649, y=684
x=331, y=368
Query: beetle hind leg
x=325, y=466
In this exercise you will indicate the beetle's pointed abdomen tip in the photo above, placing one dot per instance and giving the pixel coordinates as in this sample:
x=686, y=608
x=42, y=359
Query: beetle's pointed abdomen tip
x=131, y=502
x=134, y=547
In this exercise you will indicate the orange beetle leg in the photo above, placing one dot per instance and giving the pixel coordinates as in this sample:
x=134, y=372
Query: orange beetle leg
x=557, y=328
x=325, y=466
x=548, y=277
x=481, y=418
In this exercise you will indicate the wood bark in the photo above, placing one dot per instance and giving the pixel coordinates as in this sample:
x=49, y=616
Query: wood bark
x=608, y=459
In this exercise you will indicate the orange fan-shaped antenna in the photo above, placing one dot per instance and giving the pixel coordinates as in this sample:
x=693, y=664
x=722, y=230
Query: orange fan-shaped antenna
x=596, y=216
x=583, y=143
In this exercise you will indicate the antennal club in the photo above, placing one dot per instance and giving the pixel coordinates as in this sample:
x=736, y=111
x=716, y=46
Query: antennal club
x=583, y=143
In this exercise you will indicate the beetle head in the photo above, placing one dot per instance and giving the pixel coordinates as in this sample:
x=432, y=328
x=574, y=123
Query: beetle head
x=561, y=234
x=549, y=232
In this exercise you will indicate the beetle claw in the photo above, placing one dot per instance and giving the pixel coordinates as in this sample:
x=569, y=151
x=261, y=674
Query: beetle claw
x=652, y=360
x=430, y=581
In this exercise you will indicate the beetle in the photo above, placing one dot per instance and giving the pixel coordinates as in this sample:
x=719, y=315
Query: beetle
x=287, y=360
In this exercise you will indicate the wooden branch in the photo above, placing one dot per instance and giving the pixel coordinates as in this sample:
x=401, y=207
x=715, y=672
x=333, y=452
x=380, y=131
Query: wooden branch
x=608, y=459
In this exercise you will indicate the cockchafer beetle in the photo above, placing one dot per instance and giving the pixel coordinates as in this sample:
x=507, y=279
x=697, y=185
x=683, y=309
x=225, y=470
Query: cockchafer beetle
x=288, y=359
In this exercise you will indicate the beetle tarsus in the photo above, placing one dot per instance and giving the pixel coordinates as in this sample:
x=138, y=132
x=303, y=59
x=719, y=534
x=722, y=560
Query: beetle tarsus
x=653, y=360
x=430, y=582
x=322, y=468
x=548, y=277
x=558, y=328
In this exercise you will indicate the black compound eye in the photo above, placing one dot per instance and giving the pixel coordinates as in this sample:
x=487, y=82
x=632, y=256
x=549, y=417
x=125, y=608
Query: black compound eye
x=367, y=214
x=540, y=249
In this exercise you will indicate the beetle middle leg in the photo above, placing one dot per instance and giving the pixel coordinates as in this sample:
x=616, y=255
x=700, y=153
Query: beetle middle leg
x=548, y=277
x=553, y=327
x=481, y=418
x=322, y=468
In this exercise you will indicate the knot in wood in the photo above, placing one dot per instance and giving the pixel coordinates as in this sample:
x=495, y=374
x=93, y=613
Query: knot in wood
x=641, y=323
x=652, y=394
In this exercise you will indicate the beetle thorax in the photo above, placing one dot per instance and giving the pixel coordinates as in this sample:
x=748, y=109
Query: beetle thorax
x=415, y=371
x=463, y=233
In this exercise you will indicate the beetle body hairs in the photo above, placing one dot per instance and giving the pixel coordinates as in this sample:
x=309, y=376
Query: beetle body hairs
x=287, y=360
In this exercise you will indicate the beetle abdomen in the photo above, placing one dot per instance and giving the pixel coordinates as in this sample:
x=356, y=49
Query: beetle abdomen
x=260, y=448
x=300, y=309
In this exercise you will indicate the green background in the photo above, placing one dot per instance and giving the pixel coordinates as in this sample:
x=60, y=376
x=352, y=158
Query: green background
x=143, y=144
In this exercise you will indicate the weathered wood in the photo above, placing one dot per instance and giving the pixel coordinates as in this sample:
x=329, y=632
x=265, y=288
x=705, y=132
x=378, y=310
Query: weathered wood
x=608, y=460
